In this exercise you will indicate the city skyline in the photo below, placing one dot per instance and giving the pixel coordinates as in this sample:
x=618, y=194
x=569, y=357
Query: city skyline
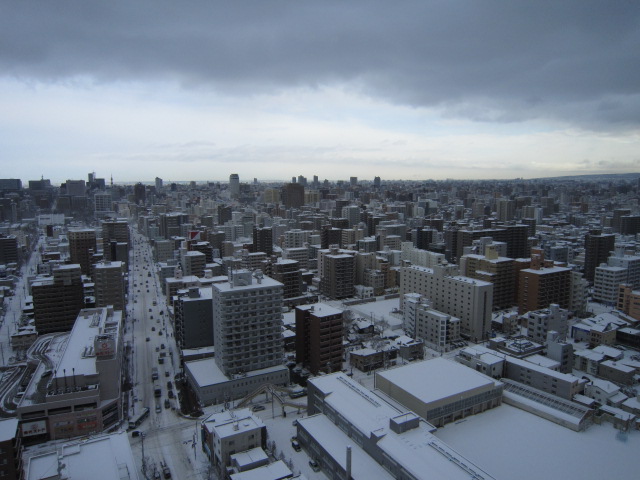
x=431, y=90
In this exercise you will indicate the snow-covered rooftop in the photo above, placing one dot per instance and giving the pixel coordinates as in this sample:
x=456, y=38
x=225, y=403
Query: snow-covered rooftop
x=436, y=379
x=107, y=457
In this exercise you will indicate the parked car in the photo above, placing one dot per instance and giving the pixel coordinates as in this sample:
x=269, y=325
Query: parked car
x=295, y=444
x=257, y=408
x=314, y=465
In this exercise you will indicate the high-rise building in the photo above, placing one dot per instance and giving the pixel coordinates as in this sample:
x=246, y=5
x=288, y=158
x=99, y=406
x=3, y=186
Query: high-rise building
x=82, y=247
x=158, y=183
x=76, y=188
x=8, y=249
x=57, y=300
x=263, y=240
x=352, y=214
x=543, y=284
x=234, y=185
x=247, y=323
x=289, y=274
x=465, y=298
x=193, y=318
x=139, y=194
x=505, y=209
x=103, y=203
x=293, y=195
x=495, y=269
x=319, y=344
x=115, y=232
x=338, y=273
x=109, y=284
x=597, y=247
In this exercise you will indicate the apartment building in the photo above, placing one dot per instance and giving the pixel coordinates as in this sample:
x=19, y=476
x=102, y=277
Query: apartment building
x=319, y=337
x=82, y=248
x=109, y=284
x=247, y=323
x=58, y=299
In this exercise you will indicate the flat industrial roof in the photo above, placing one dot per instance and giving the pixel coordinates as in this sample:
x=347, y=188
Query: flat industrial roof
x=433, y=380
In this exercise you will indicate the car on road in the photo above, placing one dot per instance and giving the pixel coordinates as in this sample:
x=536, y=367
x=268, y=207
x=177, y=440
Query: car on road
x=153, y=329
x=171, y=394
x=167, y=403
x=148, y=339
x=257, y=408
x=158, y=408
x=162, y=346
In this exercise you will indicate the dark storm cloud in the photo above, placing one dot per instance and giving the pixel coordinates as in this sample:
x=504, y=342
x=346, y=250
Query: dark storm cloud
x=576, y=61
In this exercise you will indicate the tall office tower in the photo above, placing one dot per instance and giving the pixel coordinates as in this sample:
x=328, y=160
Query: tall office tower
x=376, y=182
x=139, y=194
x=338, y=273
x=76, y=188
x=467, y=299
x=505, y=209
x=57, y=300
x=319, y=338
x=597, y=247
x=293, y=195
x=352, y=214
x=158, y=183
x=82, y=247
x=247, y=323
x=353, y=181
x=542, y=284
x=289, y=274
x=234, y=185
x=109, y=284
x=263, y=240
x=316, y=182
x=115, y=233
x=193, y=313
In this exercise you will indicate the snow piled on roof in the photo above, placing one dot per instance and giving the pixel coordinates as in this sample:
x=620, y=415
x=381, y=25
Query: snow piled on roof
x=505, y=437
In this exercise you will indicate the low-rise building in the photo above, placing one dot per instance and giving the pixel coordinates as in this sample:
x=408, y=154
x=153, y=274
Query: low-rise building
x=385, y=441
x=439, y=390
x=78, y=460
x=229, y=432
x=563, y=385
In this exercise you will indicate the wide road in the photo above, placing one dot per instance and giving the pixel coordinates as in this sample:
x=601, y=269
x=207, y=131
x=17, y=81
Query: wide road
x=168, y=436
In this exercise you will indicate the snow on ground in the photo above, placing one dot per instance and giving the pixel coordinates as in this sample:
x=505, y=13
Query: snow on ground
x=379, y=310
x=511, y=443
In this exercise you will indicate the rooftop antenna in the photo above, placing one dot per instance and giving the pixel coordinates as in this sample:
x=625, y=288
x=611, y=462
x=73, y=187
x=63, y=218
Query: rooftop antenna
x=64, y=372
x=74, y=378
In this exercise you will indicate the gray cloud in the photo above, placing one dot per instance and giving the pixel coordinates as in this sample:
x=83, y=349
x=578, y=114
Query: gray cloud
x=573, y=61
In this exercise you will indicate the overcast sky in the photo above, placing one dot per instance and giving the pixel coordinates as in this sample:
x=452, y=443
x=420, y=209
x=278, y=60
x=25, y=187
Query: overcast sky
x=197, y=90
